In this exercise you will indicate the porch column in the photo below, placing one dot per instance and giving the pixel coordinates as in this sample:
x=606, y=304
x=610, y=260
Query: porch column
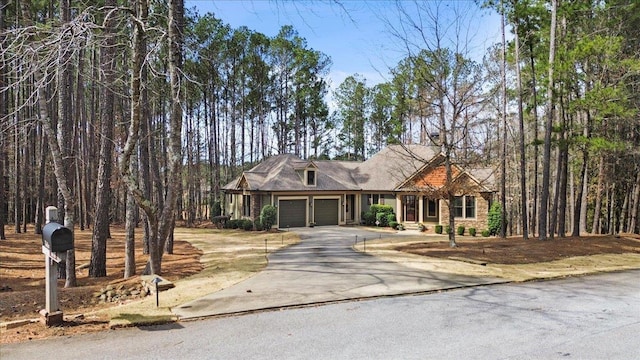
x=400, y=209
x=256, y=206
x=420, y=208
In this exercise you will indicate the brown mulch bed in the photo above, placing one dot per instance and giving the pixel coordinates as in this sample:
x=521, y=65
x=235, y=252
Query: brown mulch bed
x=520, y=251
x=22, y=284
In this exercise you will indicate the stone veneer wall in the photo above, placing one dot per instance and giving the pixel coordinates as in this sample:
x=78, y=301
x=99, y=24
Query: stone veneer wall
x=482, y=215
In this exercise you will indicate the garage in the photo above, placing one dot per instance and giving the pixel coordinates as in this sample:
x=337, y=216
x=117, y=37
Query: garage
x=326, y=211
x=292, y=213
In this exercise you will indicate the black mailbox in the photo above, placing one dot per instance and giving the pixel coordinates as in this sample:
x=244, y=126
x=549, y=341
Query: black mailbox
x=57, y=238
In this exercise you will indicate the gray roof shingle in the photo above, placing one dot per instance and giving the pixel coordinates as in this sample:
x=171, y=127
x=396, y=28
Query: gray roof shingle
x=385, y=171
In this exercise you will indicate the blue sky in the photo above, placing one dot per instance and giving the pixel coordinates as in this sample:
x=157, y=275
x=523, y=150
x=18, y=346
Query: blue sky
x=355, y=34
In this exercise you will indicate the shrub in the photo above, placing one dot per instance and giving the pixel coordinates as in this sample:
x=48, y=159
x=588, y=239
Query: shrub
x=486, y=233
x=220, y=221
x=216, y=209
x=268, y=216
x=382, y=220
x=258, y=225
x=233, y=224
x=369, y=218
x=472, y=231
x=393, y=224
x=460, y=230
x=381, y=208
x=495, y=218
x=391, y=217
x=447, y=229
x=438, y=229
x=247, y=224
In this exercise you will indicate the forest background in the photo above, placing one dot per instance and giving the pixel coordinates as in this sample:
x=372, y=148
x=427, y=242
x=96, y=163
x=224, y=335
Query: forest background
x=137, y=112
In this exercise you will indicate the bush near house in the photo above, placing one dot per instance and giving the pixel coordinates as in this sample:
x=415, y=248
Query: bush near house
x=447, y=229
x=232, y=224
x=381, y=208
x=258, y=225
x=393, y=224
x=472, y=231
x=382, y=219
x=438, y=229
x=247, y=224
x=268, y=216
x=391, y=217
x=368, y=218
x=378, y=212
x=460, y=230
x=486, y=233
x=494, y=218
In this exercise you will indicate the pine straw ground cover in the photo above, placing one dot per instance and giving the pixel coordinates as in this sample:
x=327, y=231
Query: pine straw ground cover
x=204, y=260
x=513, y=258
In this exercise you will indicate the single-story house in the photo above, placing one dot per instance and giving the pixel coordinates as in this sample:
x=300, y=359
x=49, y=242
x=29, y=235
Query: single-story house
x=410, y=178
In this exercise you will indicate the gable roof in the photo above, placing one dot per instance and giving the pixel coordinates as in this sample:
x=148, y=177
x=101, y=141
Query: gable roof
x=388, y=169
x=391, y=169
x=279, y=172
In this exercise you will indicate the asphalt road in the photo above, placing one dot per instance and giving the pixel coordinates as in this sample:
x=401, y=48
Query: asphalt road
x=591, y=317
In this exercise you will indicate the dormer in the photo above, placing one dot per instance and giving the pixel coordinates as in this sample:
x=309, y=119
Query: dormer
x=308, y=174
x=311, y=176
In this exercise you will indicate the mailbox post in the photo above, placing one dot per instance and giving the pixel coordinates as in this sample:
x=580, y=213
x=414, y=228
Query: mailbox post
x=56, y=240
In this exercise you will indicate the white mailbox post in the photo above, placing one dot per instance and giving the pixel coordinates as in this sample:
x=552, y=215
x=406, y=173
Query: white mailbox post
x=56, y=240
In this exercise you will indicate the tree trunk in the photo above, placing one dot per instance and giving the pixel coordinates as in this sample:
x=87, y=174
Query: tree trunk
x=503, y=153
x=623, y=214
x=635, y=207
x=562, y=205
x=534, y=95
x=4, y=101
x=98, y=263
x=578, y=210
x=130, y=227
x=523, y=159
x=546, y=160
x=17, y=203
x=174, y=150
x=2, y=186
x=41, y=178
x=598, y=204
x=65, y=140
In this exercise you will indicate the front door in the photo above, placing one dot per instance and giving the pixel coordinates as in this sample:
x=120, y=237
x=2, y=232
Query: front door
x=350, y=208
x=410, y=208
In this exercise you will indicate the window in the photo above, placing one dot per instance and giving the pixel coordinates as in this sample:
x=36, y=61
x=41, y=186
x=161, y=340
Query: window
x=464, y=207
x=311, y=178
x=470, y=207
x=373, y=199
x=230, y=198
x=458, y=208
x=432, y=208
x=246, y=205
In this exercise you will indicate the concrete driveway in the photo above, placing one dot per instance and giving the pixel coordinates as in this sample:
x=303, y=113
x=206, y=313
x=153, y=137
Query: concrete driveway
x=323, y=268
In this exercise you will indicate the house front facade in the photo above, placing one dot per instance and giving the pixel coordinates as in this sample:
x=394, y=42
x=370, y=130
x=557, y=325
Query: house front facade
x=409, y=178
